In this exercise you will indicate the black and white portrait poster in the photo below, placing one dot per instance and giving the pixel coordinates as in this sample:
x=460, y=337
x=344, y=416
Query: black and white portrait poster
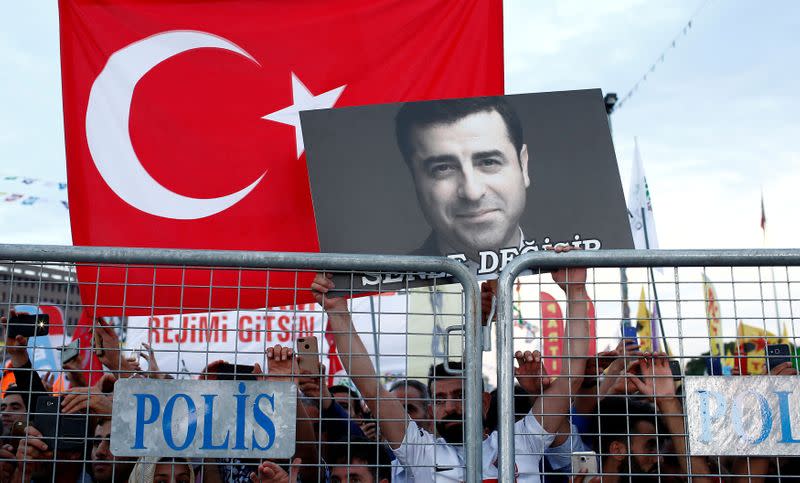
x=480, y=180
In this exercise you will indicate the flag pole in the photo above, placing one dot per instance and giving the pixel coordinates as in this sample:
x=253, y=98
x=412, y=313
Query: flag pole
x=655, y=291
x=771, y=269
x=610, y=101
x=623, y=282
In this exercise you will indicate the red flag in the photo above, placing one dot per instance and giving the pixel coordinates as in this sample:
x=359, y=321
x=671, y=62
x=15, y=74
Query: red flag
x=83, y=333
x=763, y=215
x=334, y=363
x=552, y=332
x=182, y=128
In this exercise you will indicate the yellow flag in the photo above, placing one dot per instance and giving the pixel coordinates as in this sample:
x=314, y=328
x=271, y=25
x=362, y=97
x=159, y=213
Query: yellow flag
x=644, y=326
x=753, y=340
x=712, y=316
x=784, y=335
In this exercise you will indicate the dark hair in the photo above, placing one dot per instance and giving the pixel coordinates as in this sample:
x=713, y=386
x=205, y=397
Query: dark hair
x=413, y=383
x=14, y=390
x=448, y=111
x=438, y=371
x=617, y=416
x=343, y=388
x=345, y=451
x=356, y=397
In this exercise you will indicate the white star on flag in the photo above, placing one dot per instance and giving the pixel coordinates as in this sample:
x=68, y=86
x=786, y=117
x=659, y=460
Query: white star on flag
x=303, y=100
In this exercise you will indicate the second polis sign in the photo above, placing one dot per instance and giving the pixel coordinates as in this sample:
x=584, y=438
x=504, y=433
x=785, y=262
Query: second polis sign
x=743, y=415
x=217, y=419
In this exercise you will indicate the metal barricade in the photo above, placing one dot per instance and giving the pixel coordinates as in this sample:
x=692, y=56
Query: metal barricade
x=50, y=275
x=702, y=298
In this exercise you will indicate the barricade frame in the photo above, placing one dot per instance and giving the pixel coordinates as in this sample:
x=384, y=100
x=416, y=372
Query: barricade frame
x=473, y=329
x=537, y=261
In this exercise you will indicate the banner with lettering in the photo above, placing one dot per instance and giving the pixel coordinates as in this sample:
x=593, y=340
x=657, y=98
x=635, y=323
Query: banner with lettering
x=746, y=416
x=552, y=333
x=713, y=317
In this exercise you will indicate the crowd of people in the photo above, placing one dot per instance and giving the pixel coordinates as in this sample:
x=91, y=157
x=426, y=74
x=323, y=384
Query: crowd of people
x=614, y=416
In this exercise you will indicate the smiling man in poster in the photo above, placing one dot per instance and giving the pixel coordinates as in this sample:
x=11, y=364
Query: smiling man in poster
x=470, y=170
x=480, y=180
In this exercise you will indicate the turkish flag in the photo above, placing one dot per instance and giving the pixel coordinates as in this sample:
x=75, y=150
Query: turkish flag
x=182, y=128
x=83, y=334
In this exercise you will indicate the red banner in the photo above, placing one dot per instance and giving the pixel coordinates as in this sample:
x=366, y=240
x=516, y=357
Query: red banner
x=552, y=333
x=592, y=330
x=182, y=124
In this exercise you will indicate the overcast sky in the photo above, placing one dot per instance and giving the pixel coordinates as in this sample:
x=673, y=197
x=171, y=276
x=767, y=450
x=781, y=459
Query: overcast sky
x=716, y=121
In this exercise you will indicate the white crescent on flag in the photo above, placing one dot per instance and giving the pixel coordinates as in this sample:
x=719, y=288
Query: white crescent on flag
x=109, y=139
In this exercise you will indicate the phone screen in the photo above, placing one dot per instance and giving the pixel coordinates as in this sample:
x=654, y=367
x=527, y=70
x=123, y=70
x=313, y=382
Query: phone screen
x=28, y=325
x=629, y=333
x=777, y=354
x=59, y=431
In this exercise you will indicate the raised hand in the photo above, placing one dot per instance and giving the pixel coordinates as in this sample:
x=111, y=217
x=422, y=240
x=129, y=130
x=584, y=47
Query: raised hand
x=281, y=364
x=531, y=373
x=321, y=287
x=32, y=447
x=98, y=398
x=107, y=348
x=570, y=278
x=656, y=377
x=152, y=364
x=785, y=369
x=269, y=472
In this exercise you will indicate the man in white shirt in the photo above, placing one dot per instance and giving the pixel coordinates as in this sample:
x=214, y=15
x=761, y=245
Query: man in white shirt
x=431, y=458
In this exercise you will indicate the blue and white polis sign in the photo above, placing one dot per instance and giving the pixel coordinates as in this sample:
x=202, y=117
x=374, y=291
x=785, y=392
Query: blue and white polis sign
x=743, y=415
x=213, y=419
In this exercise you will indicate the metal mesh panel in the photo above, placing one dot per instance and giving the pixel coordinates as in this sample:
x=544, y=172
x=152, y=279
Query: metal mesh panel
x=695, y=389
x=62, y=396
x=584, y=400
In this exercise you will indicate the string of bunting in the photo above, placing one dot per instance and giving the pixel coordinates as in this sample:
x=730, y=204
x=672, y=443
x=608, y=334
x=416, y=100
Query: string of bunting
x=28, y=181
x=660, y=59
x=25, y=191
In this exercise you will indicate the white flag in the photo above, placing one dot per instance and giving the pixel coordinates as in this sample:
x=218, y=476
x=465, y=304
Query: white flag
x=642, y=228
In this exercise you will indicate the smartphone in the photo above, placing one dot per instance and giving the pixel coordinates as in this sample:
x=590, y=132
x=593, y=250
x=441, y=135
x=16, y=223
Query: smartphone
x=70, y=351
x=675, y=367
x=629, y=334
x=59, y=431
x=777, y=354
x=309, y=349
x=15, y=434
x=584, y=460
x=230, y=372
x=28, y=325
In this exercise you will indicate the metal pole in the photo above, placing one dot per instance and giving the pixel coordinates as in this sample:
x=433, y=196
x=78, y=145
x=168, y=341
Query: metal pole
x=375, y=337
x=655, y=290
x=505, y=371
x=772, y=269
x=610, y=101
x=623, y=283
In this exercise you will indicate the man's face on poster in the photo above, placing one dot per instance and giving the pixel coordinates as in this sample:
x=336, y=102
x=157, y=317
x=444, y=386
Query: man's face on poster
x=470, y=182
